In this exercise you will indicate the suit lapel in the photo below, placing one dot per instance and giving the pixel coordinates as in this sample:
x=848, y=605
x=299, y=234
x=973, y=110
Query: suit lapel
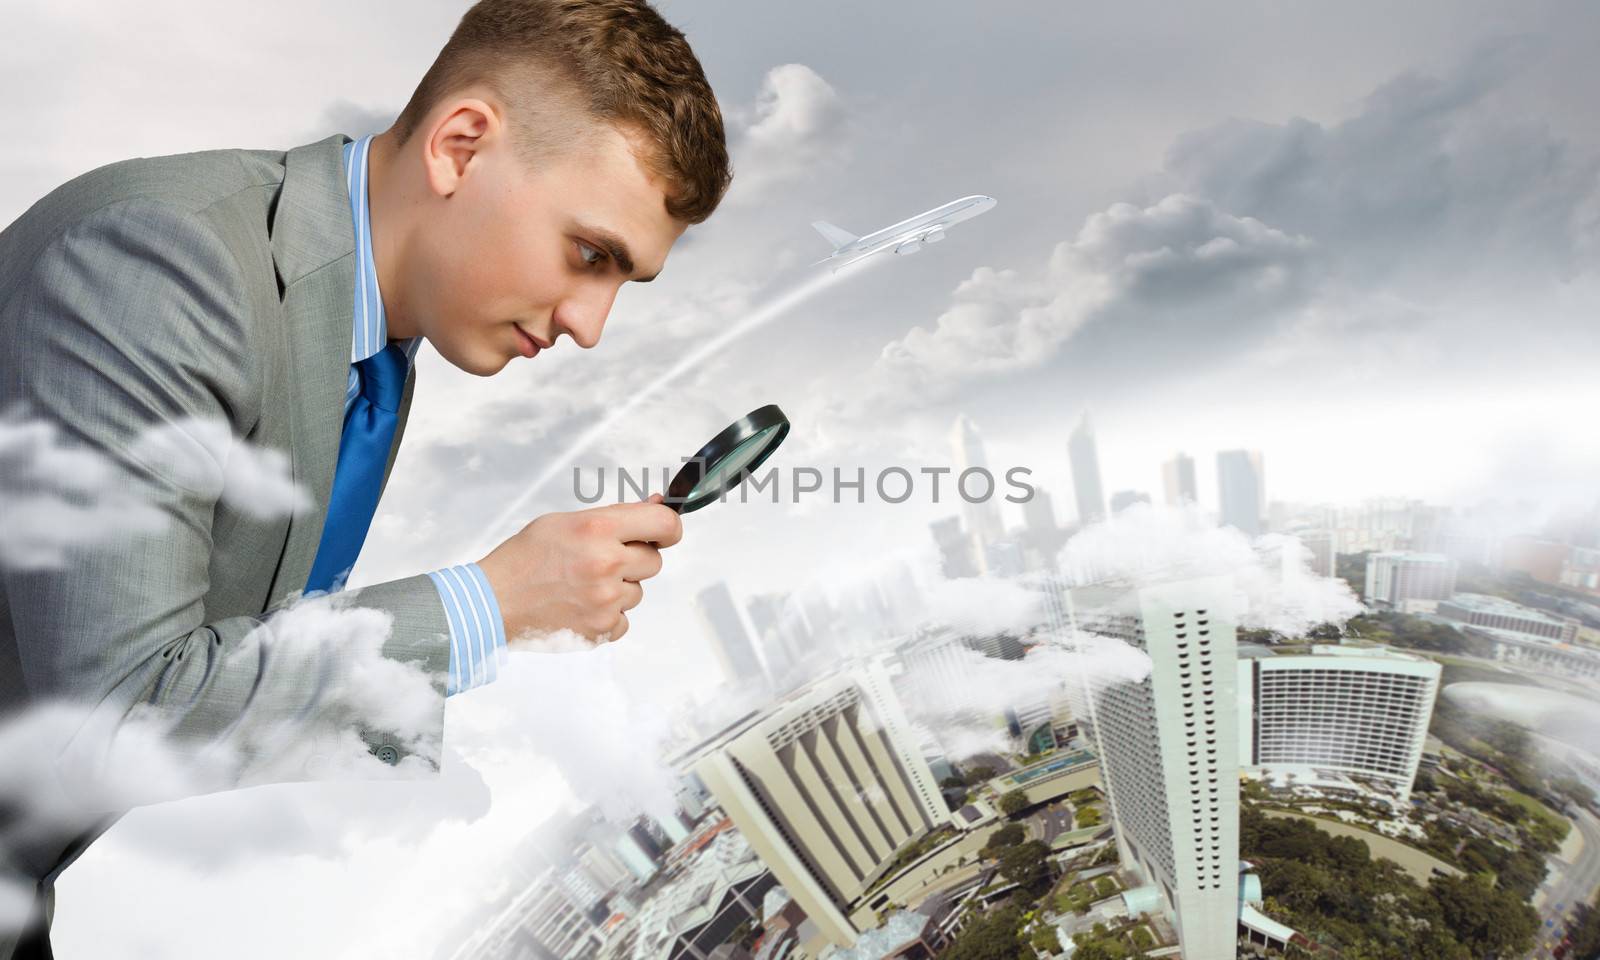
x=313, y=246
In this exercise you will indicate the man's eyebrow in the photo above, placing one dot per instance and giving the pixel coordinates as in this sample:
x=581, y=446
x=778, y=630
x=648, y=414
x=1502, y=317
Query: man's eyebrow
x=617, y=249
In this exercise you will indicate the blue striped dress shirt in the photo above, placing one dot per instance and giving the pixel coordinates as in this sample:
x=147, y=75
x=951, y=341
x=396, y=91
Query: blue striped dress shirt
x=477, y=634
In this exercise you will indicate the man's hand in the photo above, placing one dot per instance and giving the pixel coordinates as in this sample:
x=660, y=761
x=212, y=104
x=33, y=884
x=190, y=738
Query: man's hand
x=579, y=571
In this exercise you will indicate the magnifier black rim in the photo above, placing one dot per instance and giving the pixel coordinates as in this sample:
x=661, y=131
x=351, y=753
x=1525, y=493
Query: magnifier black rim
x=724, y=443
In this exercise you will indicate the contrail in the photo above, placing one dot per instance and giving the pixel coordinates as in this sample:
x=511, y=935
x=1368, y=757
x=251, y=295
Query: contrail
x=515, y=512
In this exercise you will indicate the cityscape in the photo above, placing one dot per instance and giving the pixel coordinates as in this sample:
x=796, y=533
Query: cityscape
x=1253, y=728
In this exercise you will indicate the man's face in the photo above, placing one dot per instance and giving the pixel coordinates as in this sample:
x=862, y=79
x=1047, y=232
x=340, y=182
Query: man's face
x=517, y=255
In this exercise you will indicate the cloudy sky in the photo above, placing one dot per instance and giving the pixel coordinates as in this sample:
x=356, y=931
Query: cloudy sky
x=1359, y=238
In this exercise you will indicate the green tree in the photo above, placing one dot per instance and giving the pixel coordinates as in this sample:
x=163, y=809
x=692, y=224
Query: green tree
x=993, y=936
x=1087, y=817
x=1026, y=864
x=1489, y=922
x=978, y=774
x=1575, y=790
x=1045, y=939
x=1013, y=802
x=1007, y=836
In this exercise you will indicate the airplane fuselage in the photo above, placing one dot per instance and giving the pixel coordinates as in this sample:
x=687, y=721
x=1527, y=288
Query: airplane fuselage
x=909, y=235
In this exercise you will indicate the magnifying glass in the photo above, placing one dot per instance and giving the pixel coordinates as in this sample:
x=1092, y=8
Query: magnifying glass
x=732, y=455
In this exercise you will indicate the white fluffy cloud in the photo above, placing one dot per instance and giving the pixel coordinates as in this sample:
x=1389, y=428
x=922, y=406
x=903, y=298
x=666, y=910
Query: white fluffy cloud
x=1146, y=545
x=795, y=128
x=57, y=496
x=1182, y=257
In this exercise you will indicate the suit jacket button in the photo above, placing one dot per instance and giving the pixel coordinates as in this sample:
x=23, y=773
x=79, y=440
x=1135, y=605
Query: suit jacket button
x=388, y=754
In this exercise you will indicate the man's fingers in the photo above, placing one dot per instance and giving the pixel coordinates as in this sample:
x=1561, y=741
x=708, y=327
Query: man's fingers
x=617, y=631
x=632, y=593
x=648, y=522
x=643, y=561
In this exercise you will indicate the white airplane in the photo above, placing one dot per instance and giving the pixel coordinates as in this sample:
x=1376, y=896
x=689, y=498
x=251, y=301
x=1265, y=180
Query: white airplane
x=905, y=237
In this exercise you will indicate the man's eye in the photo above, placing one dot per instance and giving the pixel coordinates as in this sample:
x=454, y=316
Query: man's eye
x=589, y=254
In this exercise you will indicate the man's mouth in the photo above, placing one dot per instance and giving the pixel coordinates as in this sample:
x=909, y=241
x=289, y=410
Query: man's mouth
x=529, y=346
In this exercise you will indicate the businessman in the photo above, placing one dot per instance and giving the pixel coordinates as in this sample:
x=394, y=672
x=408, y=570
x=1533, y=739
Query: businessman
x=555, y=150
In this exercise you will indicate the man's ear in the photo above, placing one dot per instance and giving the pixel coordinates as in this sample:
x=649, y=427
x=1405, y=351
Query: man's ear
x=463, y=130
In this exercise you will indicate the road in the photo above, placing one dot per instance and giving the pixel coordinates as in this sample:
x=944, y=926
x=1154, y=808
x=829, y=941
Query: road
x=1567, y=885
x=1050, y=822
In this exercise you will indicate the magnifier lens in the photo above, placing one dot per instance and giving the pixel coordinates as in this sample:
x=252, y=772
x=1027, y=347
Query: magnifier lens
x=724, y=470
x=731, y=456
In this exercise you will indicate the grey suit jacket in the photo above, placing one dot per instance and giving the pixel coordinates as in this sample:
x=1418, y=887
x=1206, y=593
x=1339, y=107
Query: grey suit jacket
x=214, y=285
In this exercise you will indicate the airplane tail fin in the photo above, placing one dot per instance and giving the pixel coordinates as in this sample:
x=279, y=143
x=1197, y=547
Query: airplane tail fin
x=834, y=235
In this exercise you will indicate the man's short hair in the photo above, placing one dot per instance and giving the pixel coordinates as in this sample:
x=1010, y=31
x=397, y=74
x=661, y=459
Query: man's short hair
x=616, y=61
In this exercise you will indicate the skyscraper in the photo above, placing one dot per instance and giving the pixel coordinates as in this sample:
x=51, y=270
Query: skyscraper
x=1177, y=476
x=1040, y=536
x=983, y=521
x=729, y=639
x=1086, y=474
x=1240, y=493
x=956, y=558
x=1168, y=743
x=767, y=615
x=1409, y=582
x=827, y=787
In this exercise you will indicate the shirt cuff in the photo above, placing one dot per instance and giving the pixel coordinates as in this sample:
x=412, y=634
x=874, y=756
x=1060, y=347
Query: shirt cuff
x=477, y=634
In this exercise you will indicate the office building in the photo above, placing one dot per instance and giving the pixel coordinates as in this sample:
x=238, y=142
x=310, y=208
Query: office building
x=709, y=897
x=1168, y=744
x=1241, y=494
x=1177, y=478
x=1042, y=537
x=983, y=523
x=542, y=922
x=1361, y=712
x=1480, y=610
x=1409, y=582
x=1086, y=486
x=1320, y=545
x=729, y=639
x=956, y=558
x=827, y=786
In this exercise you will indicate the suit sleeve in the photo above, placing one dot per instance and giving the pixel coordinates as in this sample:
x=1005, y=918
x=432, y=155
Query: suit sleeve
x=131, y=320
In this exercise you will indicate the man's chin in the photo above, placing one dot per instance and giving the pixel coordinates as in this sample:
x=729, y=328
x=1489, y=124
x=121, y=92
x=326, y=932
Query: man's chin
x=484, y=363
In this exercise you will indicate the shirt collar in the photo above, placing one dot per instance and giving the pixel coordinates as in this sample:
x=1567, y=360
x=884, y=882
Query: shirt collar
x=370, y=331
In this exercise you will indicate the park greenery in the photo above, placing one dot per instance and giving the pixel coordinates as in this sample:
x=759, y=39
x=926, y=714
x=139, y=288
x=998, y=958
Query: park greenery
x=1013, y=802
x=1331, y=889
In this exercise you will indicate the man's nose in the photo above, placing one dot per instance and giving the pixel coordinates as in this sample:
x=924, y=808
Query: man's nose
x=584, y=316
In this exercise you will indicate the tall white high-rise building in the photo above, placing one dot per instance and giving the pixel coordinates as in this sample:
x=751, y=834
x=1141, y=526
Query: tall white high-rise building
x=1241, y=491
x=1409, y=582
x=1320, y=544
x=1168, y=744
x=983, y=521
x=729, y=639
x=1086, y=486
x=1177, y=478
x=827, y=787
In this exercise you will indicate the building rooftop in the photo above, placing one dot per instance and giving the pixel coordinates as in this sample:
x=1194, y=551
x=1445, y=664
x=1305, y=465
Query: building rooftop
x=689, y=898
x=1484, y=603
x=1412, y=556
x=901, y=928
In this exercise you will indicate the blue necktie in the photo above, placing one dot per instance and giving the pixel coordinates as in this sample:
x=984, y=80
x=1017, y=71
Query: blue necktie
x=363, y=453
